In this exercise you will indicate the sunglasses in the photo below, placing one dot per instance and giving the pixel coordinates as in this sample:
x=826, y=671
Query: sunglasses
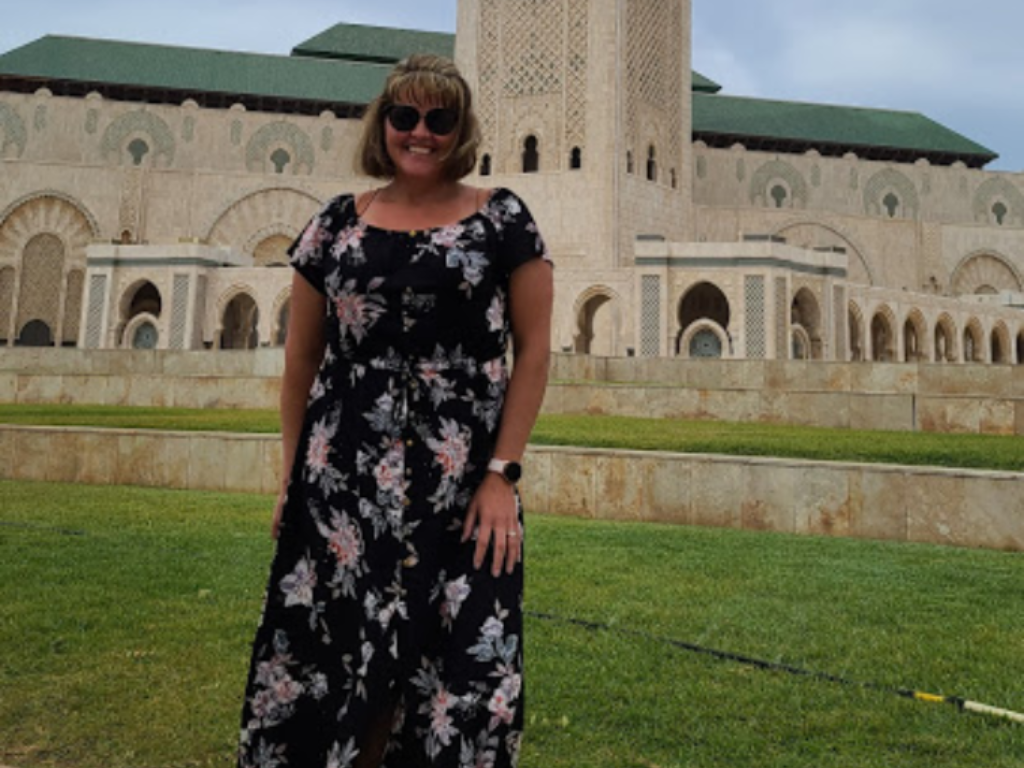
x=440, y=122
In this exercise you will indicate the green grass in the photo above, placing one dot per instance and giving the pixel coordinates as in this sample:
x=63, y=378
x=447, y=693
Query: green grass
x=126, y=616
x=997, y=452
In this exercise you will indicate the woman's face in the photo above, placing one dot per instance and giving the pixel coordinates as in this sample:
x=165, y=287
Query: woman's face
x=417, y=152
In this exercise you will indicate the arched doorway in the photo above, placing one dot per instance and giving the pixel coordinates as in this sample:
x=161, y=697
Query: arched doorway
x=35, y=333
x=597, y=326
x=805, y=316
x=914, y=333
x=240, y=324
x=945, y=340
x=973, y=343
x=704, y=301
x=883, y=342
x=855, y=319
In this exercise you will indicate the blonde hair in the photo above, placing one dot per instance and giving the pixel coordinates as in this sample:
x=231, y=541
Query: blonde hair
x=421, y=78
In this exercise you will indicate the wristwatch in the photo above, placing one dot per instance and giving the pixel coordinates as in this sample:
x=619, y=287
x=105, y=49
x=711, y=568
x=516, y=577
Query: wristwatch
x=510, y=470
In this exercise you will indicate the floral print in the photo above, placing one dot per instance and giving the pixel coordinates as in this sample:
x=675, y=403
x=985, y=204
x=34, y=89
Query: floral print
x=373, y=603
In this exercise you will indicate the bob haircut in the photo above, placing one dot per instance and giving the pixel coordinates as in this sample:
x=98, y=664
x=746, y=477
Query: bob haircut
x=422, y=78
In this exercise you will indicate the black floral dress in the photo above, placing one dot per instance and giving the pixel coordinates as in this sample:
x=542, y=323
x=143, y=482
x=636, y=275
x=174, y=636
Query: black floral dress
x=373, y=602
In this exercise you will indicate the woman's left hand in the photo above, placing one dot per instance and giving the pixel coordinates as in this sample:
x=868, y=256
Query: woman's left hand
x=493, y=513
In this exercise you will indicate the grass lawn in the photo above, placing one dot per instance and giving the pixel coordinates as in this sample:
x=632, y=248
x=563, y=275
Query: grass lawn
x=126, y=616
x=997, y=452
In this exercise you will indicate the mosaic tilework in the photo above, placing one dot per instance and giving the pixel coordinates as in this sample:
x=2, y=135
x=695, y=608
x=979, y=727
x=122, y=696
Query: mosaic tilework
x=576, y=73
x=94, y=319
x=761, y=181
x=650, y=315
x=258, y=150
x=879, y=185
x=132, y=124
x=42, y=269
x=179, y=311
x=781, y=319
x=532, y=47
x=12, y=128
x=754, y=307
x=1001, y=190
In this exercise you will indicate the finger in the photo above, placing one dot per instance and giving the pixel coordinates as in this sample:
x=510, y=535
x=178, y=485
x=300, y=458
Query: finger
x=515, y=549
x=467, y=527
x=500, y=548
x=483, y=539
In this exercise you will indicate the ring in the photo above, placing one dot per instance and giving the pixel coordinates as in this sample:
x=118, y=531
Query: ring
x=512, y=535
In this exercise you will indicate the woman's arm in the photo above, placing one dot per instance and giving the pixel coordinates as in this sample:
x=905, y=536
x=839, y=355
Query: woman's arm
x=493, y=509
x=303, y=353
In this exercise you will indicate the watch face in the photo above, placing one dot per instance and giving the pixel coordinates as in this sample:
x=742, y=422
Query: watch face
x=513, y=471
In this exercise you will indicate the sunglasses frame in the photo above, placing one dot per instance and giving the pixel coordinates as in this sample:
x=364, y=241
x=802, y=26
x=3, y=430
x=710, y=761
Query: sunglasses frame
x=430, y=118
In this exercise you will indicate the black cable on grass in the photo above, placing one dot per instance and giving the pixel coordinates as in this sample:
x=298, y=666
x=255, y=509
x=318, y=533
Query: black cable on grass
x=964, y=705
x=39, y=527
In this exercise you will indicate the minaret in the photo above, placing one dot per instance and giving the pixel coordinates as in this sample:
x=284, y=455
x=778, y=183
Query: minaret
x=585, y=110
x=595, y=91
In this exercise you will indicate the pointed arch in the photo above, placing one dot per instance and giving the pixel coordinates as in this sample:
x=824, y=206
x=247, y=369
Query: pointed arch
x=883, y=335
x=1000, y=344
x=916, y=344
x=251, y=219
x=818, y=233
x=945, y=347
x=984, y=271
x=856, y=332
x=598, y=327
x=974, y=342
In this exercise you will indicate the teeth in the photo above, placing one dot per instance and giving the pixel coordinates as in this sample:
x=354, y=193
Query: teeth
x=420, y=150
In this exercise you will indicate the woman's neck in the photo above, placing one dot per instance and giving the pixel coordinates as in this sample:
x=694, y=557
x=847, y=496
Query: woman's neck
x=415, y=192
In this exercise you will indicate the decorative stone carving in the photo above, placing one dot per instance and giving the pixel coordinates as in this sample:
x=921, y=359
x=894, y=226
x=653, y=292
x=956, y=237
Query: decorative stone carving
x=12, y=130
x=280, y=134
x=120, y=132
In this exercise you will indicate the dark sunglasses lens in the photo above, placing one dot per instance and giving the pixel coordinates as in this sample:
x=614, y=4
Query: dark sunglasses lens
x=403, y=118
x=441, y=122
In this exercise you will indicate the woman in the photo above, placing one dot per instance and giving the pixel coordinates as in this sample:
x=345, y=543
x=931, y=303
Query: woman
x=391, y=632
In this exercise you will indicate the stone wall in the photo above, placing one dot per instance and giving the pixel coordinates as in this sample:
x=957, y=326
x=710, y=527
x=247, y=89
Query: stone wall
x=929, y=397
x=920, y=504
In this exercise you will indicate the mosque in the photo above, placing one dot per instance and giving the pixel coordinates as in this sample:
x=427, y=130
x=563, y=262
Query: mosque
x=148, y=193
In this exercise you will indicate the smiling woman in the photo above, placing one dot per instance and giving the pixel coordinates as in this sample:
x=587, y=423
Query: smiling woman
x=392, y=625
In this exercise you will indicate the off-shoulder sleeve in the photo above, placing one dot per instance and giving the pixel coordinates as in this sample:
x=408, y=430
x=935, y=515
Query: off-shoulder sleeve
x=519, y=239
x=309, y=251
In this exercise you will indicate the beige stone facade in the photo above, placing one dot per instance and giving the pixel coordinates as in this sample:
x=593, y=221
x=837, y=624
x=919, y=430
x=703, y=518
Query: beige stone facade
x=127, y=224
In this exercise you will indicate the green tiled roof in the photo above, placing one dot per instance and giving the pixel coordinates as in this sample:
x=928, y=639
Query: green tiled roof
x=703, y=84
x=194, y=70
x=825, y=125
x=356, y=42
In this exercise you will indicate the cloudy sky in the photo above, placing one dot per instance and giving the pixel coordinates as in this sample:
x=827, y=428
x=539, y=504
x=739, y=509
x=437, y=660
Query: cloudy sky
x=959, y=62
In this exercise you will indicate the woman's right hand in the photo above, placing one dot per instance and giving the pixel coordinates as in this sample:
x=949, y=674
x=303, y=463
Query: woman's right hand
x=275, y=525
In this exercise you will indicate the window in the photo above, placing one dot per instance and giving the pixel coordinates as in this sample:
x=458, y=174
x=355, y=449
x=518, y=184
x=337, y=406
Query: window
x=531, y=157
x=999, y=211
x=485, y=165
x=892, y=204
x=629, y=162
x=779, y=195
x=280, y=159
x=652, y=165
x=576, y=159
x=675, y=181
x=138, y=149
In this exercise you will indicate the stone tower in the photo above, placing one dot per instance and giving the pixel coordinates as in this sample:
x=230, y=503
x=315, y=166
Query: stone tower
x=585, y=111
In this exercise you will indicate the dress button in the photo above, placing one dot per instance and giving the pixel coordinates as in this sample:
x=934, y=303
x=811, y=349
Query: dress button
x=409, y=443
x=406, y=501
x=411, y=561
